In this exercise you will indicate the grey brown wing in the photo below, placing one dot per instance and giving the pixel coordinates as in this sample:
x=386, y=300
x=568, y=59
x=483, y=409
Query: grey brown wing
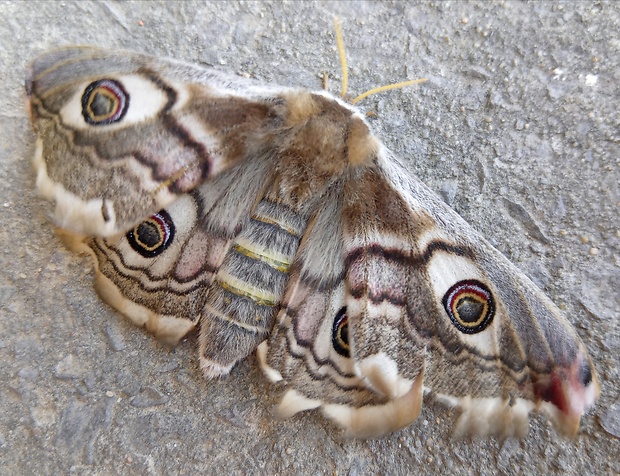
x=122, y=135
x=422, y=299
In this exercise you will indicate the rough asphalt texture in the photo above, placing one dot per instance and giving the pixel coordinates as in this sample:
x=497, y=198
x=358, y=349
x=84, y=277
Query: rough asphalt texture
x=517, y=129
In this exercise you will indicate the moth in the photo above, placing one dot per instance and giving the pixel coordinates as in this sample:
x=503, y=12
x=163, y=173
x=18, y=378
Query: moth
x=272, y=218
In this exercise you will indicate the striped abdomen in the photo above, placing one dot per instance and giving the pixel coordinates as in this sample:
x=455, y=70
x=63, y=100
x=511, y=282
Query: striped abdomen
x=246, y=292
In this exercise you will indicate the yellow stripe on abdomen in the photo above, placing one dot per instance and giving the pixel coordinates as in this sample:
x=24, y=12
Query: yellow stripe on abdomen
x=241, y=288
x=276, y=261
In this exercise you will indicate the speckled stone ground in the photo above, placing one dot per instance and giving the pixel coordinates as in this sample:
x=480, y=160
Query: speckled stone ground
x=517, y=129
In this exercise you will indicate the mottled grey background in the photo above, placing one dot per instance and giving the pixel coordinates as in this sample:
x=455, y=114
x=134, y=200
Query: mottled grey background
x=517, y=129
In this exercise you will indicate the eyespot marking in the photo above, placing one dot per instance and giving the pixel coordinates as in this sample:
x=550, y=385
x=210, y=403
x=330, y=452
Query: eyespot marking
x=104, y=102
x=470, y=306
x=152, y=236
x=340, y=333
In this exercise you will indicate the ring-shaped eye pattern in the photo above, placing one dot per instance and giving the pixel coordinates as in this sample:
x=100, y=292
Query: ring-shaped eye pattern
x=470, y=306
x=340, y=333
x=104, y=102
x=151, y=237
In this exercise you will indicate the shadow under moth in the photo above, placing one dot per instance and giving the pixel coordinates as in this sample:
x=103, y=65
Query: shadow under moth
x=272, y=218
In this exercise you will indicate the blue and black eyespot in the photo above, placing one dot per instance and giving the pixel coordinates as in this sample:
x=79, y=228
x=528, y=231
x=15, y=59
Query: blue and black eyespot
x=104, y=102
x=152, y=236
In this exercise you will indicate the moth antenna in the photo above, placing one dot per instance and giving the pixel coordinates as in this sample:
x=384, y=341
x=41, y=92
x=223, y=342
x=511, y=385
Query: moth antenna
x=387, y=87
x=345, y=71
x=325, y=81
x=343, y=57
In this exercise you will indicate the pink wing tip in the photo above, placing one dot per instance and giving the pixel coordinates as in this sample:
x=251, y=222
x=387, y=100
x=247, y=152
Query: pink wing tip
x=572, y=390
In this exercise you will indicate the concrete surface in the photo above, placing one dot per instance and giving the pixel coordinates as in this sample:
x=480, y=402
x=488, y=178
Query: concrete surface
x=518, y=129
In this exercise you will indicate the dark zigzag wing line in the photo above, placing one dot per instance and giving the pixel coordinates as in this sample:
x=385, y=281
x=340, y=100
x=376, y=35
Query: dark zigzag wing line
x=163, y=301
x=458, y=351
x=308, y=345
x=103, y=250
